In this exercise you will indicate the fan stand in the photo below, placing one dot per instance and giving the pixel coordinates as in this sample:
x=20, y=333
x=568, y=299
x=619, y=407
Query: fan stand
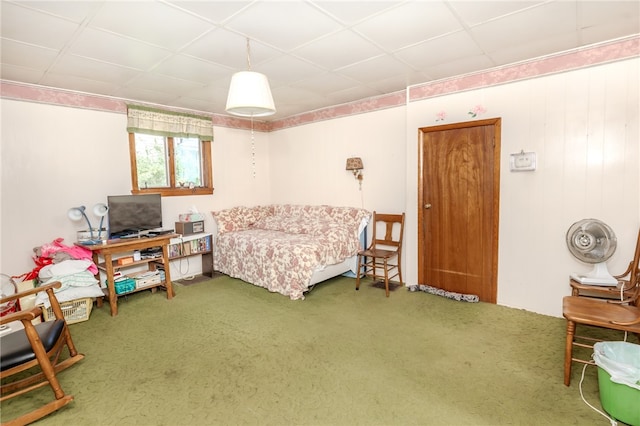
x=599, y=275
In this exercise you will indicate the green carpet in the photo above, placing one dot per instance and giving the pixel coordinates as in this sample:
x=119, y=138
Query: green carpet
x=224, y=352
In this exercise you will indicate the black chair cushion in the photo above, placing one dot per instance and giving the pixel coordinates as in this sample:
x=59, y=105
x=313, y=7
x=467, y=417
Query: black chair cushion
x=15, y=348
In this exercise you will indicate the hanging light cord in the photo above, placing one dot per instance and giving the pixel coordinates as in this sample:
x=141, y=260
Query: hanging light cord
x=253, y=140
x=248, y=55
x=253, y=149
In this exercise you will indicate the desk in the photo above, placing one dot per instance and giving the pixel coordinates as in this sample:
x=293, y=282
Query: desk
x=109, y=266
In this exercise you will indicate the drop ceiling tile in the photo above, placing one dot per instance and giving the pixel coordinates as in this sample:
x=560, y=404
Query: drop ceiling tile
x=295, y=43
x=28, y=26
x=215, y=11
x=408, y=24
x=78, y=66
x=200, y=105
x=399, y=82
x=135, y=93
x=390, y=85
x=313, y=104
x=598, y=13
x=338, y=50
x=152, y=22
x=188, y=68
x=476, y=12
x=26, y=55
x=598, y=22
x=541, y=22
x=21, y=74
x=376, y=69
x=263, y=21
x=351, y=95
x=229, y=49
x=461, y=66
x=534, y=49
x=325, y=83
x=209, y=93
x=287, y=111
x=286, y=69
x=117, y=50
x=76, y=11
x=607, y=31
x=78, y=84
x=439, y=50
x=351, y=12
x=294, y=95
x=160, y=83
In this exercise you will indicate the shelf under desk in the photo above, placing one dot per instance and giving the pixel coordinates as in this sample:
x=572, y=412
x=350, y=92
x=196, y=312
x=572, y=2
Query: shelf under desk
x=109, y=265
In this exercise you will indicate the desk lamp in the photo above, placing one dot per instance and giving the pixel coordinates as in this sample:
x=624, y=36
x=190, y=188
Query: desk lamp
x=100, y=210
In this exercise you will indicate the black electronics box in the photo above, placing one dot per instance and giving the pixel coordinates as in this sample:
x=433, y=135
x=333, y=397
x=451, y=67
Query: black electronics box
x=188, y=228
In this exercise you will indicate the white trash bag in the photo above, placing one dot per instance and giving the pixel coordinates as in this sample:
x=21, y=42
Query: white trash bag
x=621, y=360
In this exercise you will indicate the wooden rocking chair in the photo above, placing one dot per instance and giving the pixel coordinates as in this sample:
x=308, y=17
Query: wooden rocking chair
x=35, y=346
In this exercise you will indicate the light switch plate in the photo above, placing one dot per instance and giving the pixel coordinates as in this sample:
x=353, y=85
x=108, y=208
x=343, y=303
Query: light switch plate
x=522, y=161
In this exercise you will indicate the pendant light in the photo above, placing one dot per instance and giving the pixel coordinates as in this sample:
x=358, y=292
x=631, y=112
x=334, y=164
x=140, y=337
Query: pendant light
x=249, y=93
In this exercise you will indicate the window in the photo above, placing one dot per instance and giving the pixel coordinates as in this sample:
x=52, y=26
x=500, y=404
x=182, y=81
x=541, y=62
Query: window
x=170, y=165
x=170, y=152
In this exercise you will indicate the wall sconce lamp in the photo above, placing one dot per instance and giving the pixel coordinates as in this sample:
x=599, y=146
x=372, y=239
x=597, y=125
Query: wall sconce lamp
x=100, y=210
x=355, y=165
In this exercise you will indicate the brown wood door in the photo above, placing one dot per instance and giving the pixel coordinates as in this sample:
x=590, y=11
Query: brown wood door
x=459, y=181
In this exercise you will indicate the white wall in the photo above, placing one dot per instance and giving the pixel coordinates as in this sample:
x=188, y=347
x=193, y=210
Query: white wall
x=235, y=179
x=308, y=162
x=56, y=157
x=583, y=125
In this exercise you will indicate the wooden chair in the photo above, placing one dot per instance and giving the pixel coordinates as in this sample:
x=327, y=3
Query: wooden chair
x=382, y=251
x=625, y=290
x=611, y=314
x=35, y=346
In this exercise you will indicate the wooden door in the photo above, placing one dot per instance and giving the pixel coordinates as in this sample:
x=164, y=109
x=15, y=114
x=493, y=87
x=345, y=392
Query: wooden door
x=459, y=181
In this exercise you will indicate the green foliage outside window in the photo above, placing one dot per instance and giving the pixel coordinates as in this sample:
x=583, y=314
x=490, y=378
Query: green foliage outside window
x=153, y=156
x=187, y=161
x=151, y=161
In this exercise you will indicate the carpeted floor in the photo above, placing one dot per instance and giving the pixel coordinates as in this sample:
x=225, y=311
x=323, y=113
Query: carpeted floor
x=224, y=352
x=197, y=279
x=380, y=284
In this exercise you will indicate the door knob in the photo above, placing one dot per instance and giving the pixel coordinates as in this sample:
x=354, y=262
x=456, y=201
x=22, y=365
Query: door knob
x=427, y=206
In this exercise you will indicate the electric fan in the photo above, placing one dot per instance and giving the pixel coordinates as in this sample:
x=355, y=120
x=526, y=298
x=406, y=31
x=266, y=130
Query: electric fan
x=593, y=241
x=7, y=288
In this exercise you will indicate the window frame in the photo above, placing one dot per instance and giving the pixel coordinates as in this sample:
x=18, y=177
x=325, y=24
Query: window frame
x=173, y=190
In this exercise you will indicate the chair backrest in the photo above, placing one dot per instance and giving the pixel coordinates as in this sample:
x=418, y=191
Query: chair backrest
x=634, y=274
x=393, y=225
x=635, y=263
x=630, y=279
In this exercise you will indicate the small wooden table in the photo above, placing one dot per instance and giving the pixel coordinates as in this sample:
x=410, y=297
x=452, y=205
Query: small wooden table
x=109, y=266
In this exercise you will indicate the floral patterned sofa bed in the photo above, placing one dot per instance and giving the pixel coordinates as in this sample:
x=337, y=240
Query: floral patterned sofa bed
x=288, y=248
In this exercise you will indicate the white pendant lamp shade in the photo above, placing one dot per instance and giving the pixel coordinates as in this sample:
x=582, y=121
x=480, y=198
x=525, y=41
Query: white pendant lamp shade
x=250, y=95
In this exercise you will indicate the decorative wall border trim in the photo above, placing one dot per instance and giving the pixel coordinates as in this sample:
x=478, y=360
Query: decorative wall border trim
x=611, y=51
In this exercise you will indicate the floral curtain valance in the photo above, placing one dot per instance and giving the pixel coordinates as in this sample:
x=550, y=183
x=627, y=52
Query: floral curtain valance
x=166, y=123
